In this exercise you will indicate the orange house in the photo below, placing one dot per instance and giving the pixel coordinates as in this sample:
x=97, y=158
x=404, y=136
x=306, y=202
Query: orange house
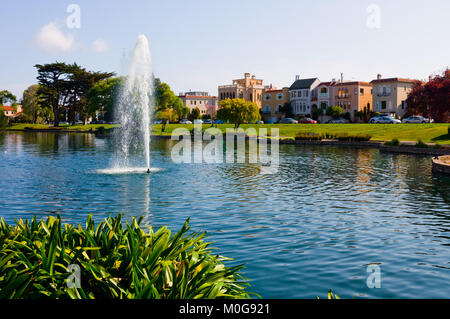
x=354, y=97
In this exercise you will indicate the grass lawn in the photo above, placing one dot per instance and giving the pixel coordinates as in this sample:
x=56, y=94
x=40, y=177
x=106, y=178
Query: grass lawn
x=428, y=133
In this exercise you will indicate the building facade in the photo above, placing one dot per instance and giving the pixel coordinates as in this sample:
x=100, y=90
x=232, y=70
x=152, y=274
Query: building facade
x=249, y=88
x=11, y=111
x=202, y=100
x=273, y=101
x=302, y=94
x=326, y=95
x=354, y=97
x=389, y=95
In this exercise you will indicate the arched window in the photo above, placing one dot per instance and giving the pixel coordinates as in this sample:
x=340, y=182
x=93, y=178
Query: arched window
x=267, y=109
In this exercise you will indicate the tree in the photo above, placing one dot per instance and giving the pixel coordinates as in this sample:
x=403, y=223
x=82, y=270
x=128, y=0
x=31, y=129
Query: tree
x=66, y=87
x=181, y=109
x=195, y=114
x=103, y=96
x=431, y=99
x=34, y=110
x=166, y=116
x=286, y=109
x=334, y=111
x=7, y=97
x=52, y=79
x=3, y=118
x=238, y=111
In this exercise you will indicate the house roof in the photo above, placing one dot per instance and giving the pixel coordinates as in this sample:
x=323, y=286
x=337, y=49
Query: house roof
x=197, y=97
x=8, y=108
x=395, y=80
x=303, y=84
x=354, y=83
x=328, y=83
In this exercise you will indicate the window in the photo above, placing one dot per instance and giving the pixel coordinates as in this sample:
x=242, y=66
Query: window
x=323, y=90
x=356, y=91
x=361, y=91
x=278, y=110
x=267, y=109
x=280, y=96
x=403, y=105
x=267, y=97
x=383, y=105
x=306, y=93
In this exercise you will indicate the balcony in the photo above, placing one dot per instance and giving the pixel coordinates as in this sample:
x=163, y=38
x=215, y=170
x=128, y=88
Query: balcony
x=384, y=94
x=323, y=95
x=344, y=96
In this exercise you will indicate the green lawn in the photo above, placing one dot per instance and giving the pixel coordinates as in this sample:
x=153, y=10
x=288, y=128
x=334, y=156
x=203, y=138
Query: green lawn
x=429, y=133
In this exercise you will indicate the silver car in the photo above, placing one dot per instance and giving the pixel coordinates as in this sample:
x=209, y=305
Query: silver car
x=387, y=120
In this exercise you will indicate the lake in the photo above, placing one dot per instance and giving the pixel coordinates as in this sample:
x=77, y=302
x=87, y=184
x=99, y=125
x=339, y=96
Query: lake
x=317, y=224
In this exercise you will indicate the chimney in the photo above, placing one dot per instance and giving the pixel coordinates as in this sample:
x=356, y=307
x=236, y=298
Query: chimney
x=429, y=78
x=247, y=75
x=378, y=76
x=253, y=77
x=342, y=77
x=297, y=77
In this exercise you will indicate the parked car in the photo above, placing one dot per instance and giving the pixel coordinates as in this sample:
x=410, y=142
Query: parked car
x=259, y=122
x=307, y=120
x=417, y=119
x=288, y=120
x=198, y=121
x=185, y=121
x=207, y=121
x=337, y=121
x=158, y=121
x=218, y=122
x=387, y=120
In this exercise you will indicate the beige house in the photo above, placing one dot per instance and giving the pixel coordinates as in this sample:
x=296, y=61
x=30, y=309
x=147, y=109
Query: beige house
x=273, y=101
x=389, y=95
x=202, y=100
x=248, y=88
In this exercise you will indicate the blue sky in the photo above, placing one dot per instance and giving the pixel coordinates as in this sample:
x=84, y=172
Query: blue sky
x=200, y=44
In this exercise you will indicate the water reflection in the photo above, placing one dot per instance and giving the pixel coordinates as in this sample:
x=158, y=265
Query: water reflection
x=327, y=213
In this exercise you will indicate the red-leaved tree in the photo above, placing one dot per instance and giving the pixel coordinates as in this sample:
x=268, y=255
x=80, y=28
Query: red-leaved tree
x=431, y=99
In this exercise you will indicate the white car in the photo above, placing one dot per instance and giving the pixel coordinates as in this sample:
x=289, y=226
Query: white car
x=198, y=122
x=184, y=121
x=417, y=119
x=387, y=120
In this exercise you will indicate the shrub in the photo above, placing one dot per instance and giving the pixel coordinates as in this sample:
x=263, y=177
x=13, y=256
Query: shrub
x=421, y=144
x=352, y=138
x=394, y=142
x=115, y=260
x=308, y=137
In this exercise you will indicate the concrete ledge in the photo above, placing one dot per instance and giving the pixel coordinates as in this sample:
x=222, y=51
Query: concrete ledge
x=441, y=165
x=414, y=150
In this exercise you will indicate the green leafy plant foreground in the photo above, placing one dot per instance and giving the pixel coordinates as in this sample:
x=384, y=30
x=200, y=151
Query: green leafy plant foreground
x=115, y=261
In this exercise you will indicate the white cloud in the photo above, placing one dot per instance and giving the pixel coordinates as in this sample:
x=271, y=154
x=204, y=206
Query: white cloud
x=51, y=39
x=100, y=45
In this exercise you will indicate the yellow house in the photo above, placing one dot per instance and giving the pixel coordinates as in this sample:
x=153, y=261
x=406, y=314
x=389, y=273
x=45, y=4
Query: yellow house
x=273, y=101
x=249, y=88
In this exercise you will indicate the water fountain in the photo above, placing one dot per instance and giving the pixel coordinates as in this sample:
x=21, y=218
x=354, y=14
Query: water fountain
x=133, y=113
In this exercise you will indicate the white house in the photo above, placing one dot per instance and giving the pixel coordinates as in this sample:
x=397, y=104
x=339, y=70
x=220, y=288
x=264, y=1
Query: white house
x=302, y=92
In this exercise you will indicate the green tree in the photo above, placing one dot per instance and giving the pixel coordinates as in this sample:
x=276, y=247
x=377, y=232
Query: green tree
x=238, y=111
x=334, y=111
x=195, y=114
x=286, y=109
x=103, y=96
x=181, y=109
x=7, y=97
x=34, y=110
x=166, y=116
x=3, y=118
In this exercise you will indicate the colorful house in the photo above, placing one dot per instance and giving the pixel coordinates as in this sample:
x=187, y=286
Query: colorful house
x=273, y=101
x=302, y=95
x=389, y=95
x=354, y=98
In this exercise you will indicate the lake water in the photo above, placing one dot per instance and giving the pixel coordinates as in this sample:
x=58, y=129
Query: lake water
x=317, y=224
